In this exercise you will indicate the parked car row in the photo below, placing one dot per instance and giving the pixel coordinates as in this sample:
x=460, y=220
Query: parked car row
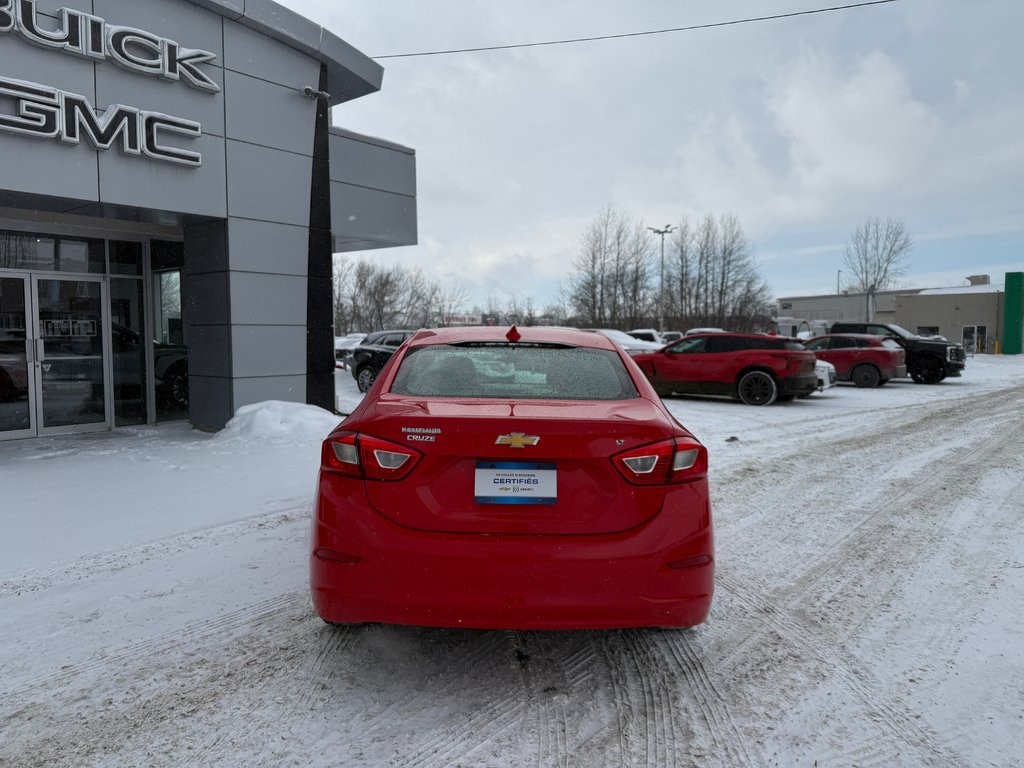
x=758, y=369
x=526, y=439
x=928, y=360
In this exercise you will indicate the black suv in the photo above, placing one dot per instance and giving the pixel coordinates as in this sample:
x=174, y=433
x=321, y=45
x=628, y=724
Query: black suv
x=372, y=353
x=929, y=361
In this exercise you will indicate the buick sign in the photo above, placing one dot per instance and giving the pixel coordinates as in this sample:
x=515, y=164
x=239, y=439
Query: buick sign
x=87, y=36
x=45, y=112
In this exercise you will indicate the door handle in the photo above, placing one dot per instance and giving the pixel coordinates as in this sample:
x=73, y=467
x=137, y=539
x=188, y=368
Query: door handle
x=30, y=350
x=40, y=350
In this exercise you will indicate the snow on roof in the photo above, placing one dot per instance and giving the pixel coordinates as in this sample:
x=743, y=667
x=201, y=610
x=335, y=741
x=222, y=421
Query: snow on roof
x=992, y=288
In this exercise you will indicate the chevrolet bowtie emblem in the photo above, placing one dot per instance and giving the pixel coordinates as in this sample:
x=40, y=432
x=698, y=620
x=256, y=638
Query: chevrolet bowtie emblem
x=517, y=440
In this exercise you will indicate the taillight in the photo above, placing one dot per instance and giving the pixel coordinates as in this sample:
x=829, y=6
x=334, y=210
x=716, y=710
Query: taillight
x=679, y=460
x=358, y=455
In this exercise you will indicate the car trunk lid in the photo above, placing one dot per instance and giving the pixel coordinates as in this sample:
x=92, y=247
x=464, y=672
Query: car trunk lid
x=558, y=452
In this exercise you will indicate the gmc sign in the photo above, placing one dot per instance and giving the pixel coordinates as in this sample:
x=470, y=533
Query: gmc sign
x=45, y=112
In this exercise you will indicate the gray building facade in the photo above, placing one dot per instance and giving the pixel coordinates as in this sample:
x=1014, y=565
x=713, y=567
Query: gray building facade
x=171, y=194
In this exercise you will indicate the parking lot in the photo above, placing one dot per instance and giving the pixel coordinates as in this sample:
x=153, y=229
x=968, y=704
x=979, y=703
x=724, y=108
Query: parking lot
x=869, y=605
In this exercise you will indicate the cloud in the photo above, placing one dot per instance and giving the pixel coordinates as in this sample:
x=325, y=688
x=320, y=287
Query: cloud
x=801, y=128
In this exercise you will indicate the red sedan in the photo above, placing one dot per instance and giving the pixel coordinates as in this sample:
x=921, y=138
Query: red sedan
x=866, y=360
x=517, y=479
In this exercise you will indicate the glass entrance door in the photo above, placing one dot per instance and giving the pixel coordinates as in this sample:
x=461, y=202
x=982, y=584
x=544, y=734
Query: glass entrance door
x=53, y=370
x=70, y=381
x=16, y=368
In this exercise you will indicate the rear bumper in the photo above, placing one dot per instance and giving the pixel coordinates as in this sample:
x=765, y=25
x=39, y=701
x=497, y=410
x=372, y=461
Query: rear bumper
x=405, y=576
x=802, y=384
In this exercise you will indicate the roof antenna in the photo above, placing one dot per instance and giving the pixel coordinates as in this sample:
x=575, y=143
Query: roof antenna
x=513, y=334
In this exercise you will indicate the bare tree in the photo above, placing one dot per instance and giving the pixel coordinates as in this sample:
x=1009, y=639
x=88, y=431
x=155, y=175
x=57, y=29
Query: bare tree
x=450, y=300
x=369, y=296
x=713, y=277
x=341, y=279
x=611, y=282
x=877, y=255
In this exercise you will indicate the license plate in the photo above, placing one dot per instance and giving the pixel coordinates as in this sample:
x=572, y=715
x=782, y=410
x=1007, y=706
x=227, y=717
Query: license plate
x=506, y=482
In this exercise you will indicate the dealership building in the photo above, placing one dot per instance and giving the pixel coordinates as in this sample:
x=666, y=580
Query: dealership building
x=985, y=316
x=171, y=194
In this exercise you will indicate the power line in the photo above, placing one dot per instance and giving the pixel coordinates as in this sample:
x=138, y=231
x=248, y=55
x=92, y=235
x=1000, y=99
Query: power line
x=638, y=34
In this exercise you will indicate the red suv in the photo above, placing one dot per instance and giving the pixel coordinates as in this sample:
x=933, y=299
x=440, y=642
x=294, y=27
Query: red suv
x=755, y=368
x=866, y=360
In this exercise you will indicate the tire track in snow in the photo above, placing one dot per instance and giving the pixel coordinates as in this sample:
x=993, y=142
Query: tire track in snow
x=908, y=425
x=144, y=704
x=553, y=679
x=310, y=680
x=288, y=696
x=485, y=648
x=621, y=704
x=94, y=566
x=185, y=638
x=658, y=693
x=458, y=741
x=723, y=732
x=544, y=689
x=888, y=540
x=850, y=674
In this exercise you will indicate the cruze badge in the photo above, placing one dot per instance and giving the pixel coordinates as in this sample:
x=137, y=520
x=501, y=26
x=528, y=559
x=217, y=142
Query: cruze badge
x=517, y=440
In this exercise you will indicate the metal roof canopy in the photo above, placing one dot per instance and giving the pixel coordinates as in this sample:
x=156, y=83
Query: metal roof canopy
x=351, y=74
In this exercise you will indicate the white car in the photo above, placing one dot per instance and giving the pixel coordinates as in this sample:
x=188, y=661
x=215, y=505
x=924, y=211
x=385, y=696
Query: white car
x=627, y=342
x=343, y=346
x=693, y=331
x=826, y=374
x=647, y=334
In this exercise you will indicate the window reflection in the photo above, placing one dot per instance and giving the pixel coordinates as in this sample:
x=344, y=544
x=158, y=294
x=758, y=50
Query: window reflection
x=70, y=319
x=14, y=404
x=170, y=350
x=21, y=250
x=127, y=334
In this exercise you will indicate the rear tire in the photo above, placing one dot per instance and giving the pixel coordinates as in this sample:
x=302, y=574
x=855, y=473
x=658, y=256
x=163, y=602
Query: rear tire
x=177, y=388
x=365, y=378
x=865, y=376
x=757, y=388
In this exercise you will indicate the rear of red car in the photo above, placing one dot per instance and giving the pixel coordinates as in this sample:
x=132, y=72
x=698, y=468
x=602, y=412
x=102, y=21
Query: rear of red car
x=528, y=483
x=862, y=358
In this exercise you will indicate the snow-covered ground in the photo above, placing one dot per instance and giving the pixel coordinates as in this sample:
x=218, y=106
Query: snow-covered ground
x=869, y=607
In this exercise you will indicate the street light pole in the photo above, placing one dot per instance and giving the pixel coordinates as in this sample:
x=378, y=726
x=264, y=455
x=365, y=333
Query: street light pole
x=661, y=293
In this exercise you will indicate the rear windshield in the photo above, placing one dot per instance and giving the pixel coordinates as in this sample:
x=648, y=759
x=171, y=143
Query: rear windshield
x=519, y=371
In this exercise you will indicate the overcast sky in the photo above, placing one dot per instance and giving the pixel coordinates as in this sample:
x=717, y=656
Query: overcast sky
x=801, y=127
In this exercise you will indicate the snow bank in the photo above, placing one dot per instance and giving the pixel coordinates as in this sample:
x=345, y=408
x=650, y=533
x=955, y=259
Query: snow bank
x=278, y=420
